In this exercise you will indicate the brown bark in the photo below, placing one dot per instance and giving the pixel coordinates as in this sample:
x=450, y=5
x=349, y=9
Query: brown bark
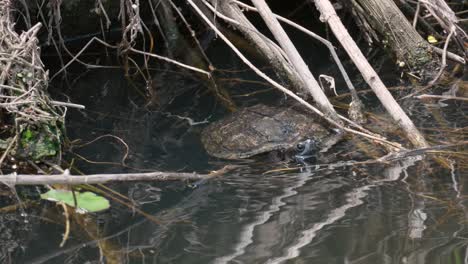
x=398, y=34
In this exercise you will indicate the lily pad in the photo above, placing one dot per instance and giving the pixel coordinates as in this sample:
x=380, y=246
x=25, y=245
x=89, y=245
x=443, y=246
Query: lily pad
x=85, y=201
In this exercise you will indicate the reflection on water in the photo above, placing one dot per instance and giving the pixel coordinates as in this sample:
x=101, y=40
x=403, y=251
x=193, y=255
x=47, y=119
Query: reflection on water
x=411, y=211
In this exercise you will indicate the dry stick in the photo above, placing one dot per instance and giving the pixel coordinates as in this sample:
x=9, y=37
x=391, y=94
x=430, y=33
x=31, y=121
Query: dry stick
x=132, y=49
x=7, y=150
x=67, y=224
x=66, y=178
x=296, y=60
x=447, y=97
x=444, y=57
x=286, y=91
x=416, y=14
x=329, y=15
x=103, y=11
x=450, y=55
x=173, y=62
x=72, y=105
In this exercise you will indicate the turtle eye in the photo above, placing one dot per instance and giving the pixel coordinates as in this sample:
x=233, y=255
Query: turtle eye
x=300, y=147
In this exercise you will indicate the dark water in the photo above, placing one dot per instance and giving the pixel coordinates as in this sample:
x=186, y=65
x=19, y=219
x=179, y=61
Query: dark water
x=411, y=211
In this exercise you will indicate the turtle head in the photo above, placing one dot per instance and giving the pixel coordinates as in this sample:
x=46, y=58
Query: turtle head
x=306, y=149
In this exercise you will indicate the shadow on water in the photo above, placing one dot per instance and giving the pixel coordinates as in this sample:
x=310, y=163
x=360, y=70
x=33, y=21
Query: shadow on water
x=412, y=211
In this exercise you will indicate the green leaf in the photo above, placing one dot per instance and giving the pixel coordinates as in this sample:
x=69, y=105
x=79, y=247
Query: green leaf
x=86, y=201
x=27, y=135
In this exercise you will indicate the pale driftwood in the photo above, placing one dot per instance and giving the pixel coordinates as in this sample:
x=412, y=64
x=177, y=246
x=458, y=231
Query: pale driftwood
x=66, y=178
x=296, y=60
x=329, y=15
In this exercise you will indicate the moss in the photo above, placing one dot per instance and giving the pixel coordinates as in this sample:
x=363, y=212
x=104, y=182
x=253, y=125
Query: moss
x=37, y=143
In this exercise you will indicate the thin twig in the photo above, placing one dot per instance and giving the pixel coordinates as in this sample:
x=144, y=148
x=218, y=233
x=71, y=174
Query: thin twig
x=131, y=49
x=450, y=55
x=72, y=105
x=7, y=150
x=67, y=224
x=416, y=14
x=444, y=57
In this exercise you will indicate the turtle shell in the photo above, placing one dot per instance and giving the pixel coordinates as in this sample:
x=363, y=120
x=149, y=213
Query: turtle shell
x=259, y=129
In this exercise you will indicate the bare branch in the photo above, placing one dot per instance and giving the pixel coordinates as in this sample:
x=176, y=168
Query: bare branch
x=65, y=178
x=329, y=16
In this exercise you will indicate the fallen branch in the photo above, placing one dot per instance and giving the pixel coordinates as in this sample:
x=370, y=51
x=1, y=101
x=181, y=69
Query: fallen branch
x=66, y=178
x=329, y=16
x=296, y=60
x=445, y=97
